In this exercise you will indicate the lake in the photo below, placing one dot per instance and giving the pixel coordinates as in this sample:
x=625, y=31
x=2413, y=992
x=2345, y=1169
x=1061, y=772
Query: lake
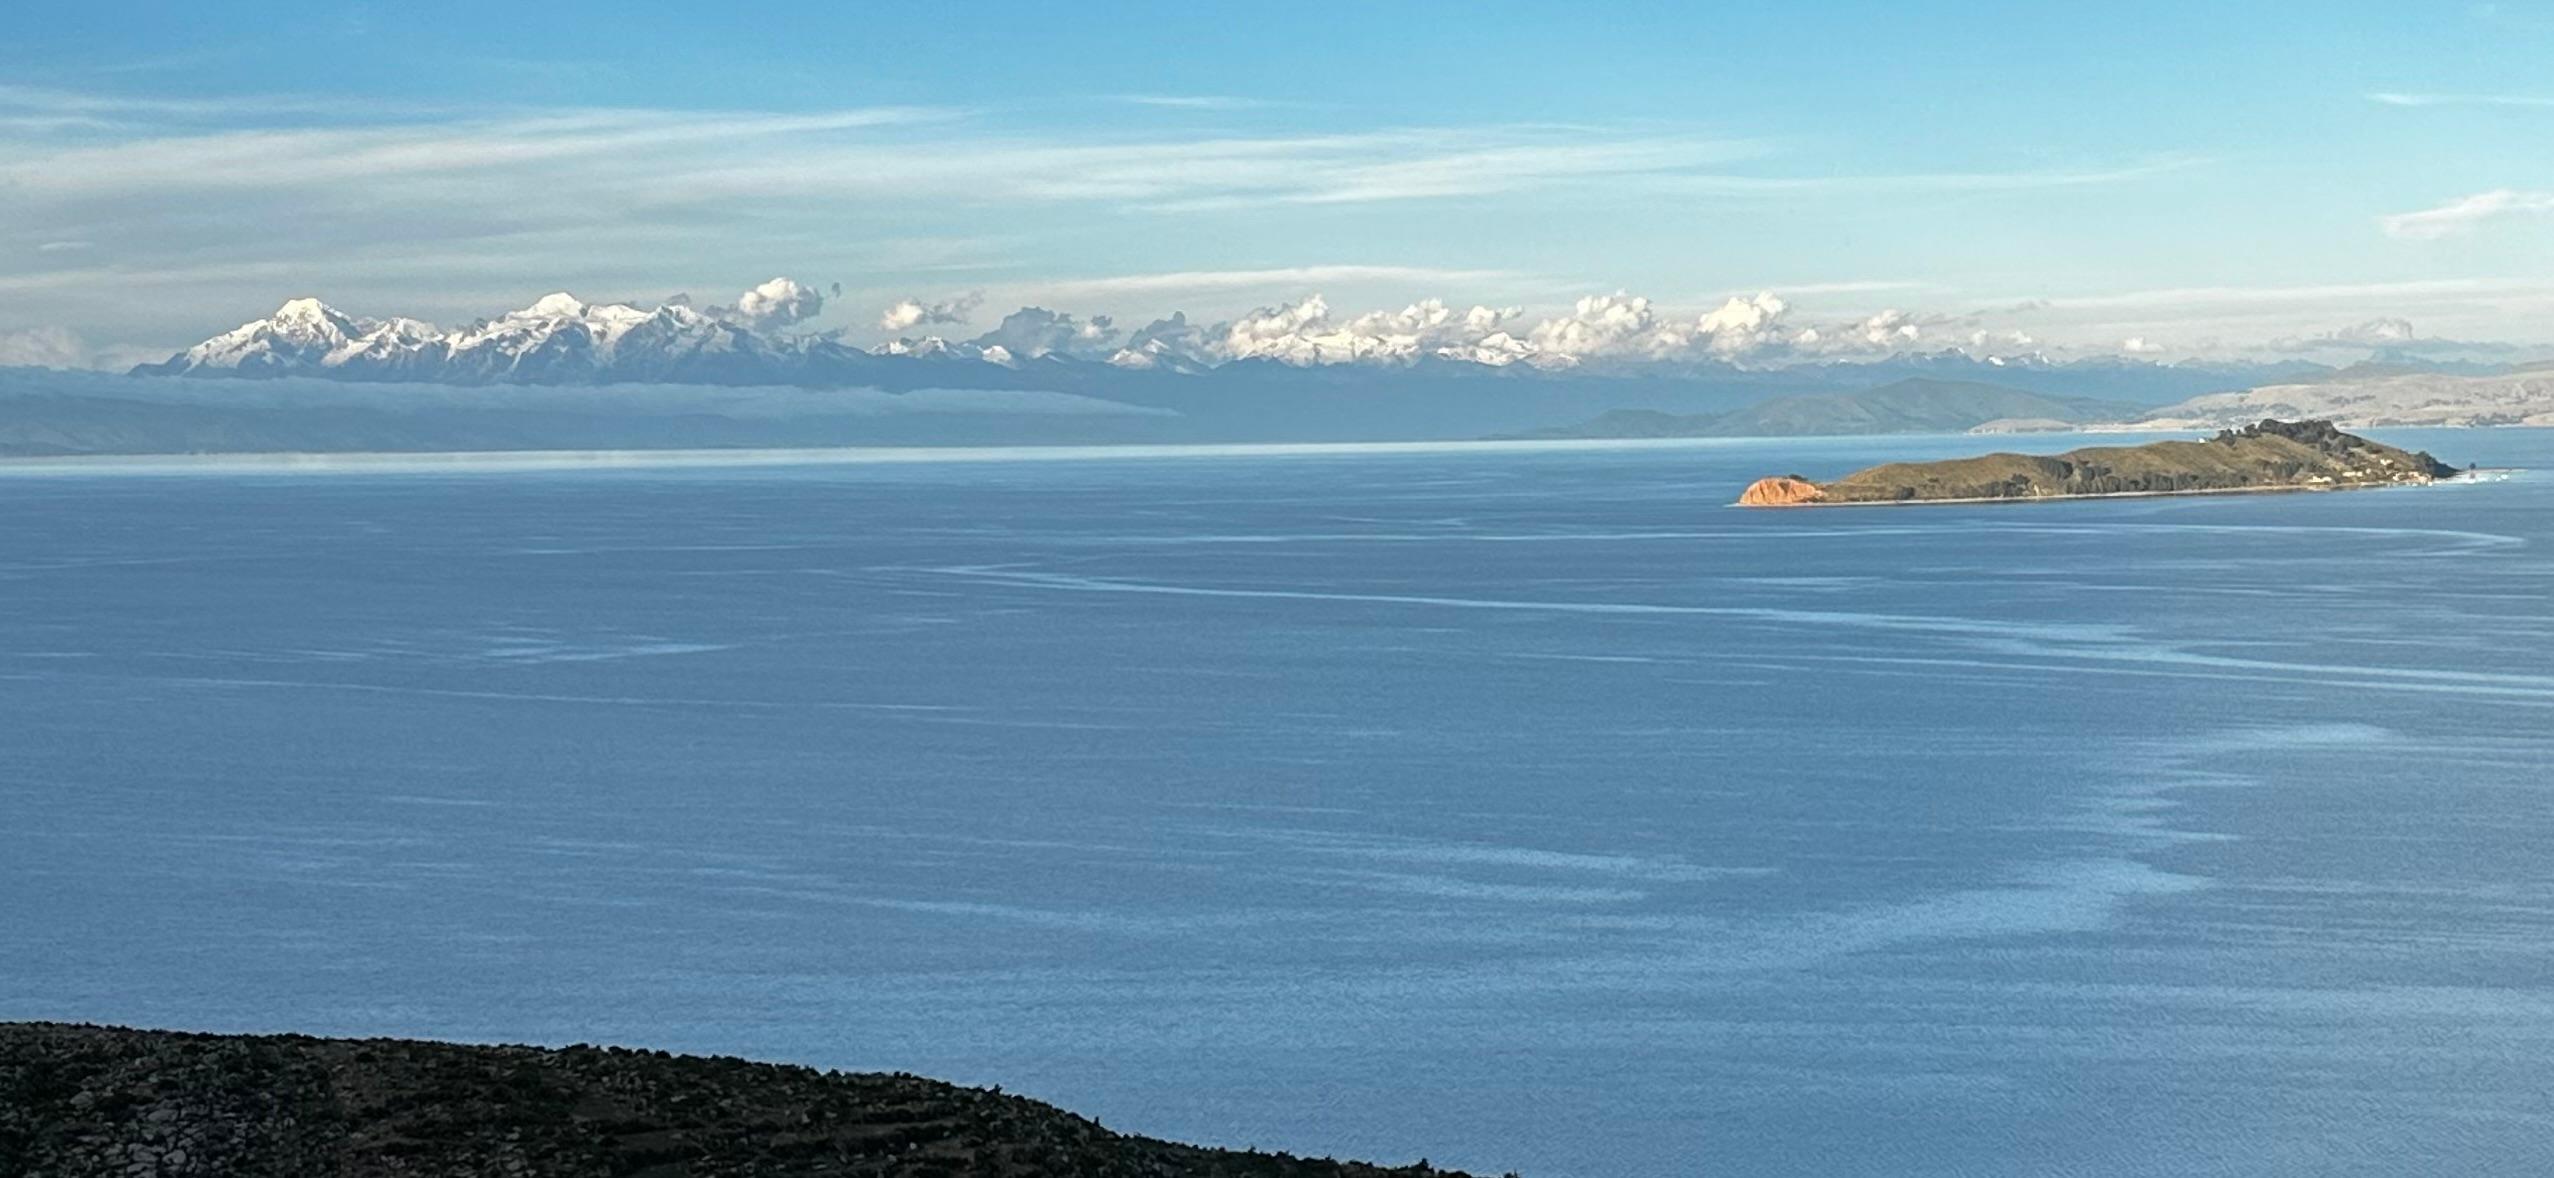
x=1516, y=807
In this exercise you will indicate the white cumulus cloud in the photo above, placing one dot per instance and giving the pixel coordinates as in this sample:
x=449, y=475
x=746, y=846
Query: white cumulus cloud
x=1307, y=332
x=1035, y=331
x=2387, y=335
x=1619, y=327
x=1601, y=325
x=911, y=313
x=1631, y=327
x=1743, y=325
x=780, y=302
x=2383, y=330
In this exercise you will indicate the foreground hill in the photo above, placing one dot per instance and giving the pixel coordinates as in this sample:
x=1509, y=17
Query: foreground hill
x=82, y=1100
x=2270, y=455
x=1915, y=405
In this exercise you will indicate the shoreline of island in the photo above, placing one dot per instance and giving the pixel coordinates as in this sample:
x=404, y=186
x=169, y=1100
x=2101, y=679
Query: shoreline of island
x=2489, y=474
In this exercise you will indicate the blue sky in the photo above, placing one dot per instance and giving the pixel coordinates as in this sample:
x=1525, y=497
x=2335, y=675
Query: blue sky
x=2199, y=178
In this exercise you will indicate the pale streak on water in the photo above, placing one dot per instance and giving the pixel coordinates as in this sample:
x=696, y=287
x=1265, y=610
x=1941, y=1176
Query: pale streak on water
x=1517, y=808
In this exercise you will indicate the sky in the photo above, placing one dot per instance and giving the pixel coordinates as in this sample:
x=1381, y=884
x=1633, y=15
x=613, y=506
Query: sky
x=2159, y=179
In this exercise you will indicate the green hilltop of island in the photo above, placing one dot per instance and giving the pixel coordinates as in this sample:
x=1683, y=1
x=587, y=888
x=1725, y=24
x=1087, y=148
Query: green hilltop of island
x=2268, y=456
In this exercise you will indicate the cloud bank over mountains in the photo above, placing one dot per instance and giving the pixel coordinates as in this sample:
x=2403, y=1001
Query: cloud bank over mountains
x=1619, y=328
x=776, y=304
x=913, y=312
x=43, y=347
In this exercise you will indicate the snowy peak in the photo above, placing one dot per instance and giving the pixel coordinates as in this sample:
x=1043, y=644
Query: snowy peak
x=302, y=333
x=934, y=347
x=556, y=305
x=310, y=318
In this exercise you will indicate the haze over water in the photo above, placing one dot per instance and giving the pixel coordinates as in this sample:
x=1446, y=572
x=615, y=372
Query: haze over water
x=1517, y=809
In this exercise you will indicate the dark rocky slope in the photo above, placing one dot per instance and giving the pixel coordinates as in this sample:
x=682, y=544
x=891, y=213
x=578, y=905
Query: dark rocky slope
x=2272, y=455
x=77, y=1101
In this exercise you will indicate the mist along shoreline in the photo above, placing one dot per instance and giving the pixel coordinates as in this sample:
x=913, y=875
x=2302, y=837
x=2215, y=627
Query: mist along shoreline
x=80, y=1099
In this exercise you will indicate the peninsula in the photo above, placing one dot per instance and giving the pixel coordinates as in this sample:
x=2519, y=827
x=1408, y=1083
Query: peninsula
x=2267, y=456
x=111, y=1102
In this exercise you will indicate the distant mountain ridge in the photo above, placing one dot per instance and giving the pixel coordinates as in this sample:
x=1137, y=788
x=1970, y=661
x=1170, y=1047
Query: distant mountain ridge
x=1912, y=405
x=556, y=340
x=405, y=380
x=561, y=340
x=2376, y=396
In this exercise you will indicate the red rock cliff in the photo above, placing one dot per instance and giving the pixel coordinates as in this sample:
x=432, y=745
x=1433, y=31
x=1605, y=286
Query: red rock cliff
x=1780, y=491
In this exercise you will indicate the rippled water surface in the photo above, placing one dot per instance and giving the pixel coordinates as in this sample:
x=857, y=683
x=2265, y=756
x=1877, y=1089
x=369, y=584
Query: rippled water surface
x=1518, y=809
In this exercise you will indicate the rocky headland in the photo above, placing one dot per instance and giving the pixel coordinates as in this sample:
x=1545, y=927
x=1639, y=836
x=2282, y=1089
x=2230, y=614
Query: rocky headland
x=2266, y=456
x=82, y=1101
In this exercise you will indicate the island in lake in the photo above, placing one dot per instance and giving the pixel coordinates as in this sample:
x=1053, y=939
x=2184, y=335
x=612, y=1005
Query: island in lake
x=2268, y=456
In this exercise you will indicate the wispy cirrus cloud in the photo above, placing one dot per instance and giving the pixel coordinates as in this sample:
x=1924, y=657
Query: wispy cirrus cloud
x=2018, y=180
x=2279, y=295
x=1837, y=286
x=2467, y=213
x=199, y=208
x=608, y=160
x=185, y=198
x=1420, y=164
x=1197, y=101
x=911, y=312
x=2401, y=98
x=306, y=158
x=133, y=110
x=796, y=150
x=1208, y=281
x=43, y=347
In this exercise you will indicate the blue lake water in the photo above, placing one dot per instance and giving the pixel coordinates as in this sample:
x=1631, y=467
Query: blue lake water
x=1515, y=808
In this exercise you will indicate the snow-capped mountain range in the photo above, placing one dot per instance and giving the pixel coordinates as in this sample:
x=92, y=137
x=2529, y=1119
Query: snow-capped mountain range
x=562, y=340
x=556, y=340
